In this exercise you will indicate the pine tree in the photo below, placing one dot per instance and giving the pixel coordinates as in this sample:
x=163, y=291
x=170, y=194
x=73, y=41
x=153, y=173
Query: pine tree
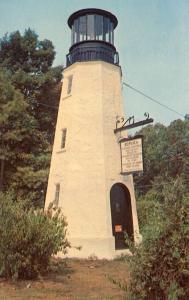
x=29, y=61
x=29, y=97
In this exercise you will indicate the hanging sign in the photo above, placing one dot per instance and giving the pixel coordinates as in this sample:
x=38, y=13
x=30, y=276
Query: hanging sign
x=131, y=155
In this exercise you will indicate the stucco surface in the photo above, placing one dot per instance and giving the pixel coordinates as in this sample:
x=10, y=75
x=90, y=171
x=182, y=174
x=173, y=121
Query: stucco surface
x=90, y=163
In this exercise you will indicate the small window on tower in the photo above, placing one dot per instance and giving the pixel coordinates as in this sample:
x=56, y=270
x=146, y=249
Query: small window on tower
x=57, y=194
x=63, y=141
x=70, y=79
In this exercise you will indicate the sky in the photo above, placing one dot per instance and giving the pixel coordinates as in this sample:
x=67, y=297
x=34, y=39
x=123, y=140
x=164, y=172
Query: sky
x=152, y=39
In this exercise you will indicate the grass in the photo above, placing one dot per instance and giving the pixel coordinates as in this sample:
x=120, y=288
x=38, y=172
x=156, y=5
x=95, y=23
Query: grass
x=72, y=280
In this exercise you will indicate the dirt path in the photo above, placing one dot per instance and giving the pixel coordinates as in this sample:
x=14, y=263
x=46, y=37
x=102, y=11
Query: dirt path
x=79, y=280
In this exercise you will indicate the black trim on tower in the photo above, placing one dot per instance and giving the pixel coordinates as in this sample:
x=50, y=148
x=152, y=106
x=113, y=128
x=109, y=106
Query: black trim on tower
x=89, y=11
x=92, y=36
x=91, y=51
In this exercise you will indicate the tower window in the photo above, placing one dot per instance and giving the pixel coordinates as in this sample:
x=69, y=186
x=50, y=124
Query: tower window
x=57, y=194
x=63, y=141
x=70, y=79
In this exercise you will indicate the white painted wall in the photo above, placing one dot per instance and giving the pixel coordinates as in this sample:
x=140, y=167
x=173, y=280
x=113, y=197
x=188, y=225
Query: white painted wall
x=90, y=163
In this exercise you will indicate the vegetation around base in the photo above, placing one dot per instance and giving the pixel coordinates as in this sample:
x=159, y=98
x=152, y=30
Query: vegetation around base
x=28, y=238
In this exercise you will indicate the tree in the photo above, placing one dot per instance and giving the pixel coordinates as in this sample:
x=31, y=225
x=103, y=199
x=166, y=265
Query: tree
x=160, y=265
x=29, y=97
x=29, y=62
x=166, y=154
x=23, y=147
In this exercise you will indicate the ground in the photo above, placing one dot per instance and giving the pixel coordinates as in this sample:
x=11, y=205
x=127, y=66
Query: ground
x=78, y=280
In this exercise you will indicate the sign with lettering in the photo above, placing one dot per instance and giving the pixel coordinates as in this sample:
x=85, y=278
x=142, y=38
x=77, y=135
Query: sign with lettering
x=131, y=155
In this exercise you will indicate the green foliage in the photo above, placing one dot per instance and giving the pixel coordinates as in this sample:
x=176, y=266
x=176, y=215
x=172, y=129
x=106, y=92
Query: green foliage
x=29, y=62
x=26, y=52
x=29, y=97
x=28, y=238
x=147, y=208
x=160, y=265
x=166, y=154
x=23, y=147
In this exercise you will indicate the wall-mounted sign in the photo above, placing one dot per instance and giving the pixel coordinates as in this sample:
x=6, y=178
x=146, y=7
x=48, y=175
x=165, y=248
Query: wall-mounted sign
x=131, y=155
x=118, y=228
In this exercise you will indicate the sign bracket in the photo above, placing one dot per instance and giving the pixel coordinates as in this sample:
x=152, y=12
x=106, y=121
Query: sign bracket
x=133, y=124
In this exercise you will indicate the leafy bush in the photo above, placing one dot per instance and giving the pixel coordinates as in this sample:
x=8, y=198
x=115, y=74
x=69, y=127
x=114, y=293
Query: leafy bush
x=166, y=153
x=160, y=265
x=28, y=238
x=147, y=208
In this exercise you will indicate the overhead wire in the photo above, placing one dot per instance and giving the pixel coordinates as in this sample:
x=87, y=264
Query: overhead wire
x=153, y=99
x=137, y=91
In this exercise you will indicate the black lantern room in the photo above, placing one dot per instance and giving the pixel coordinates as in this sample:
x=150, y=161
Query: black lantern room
x=92, y=36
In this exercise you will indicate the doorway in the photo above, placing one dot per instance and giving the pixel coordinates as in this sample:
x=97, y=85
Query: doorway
x=121, y=213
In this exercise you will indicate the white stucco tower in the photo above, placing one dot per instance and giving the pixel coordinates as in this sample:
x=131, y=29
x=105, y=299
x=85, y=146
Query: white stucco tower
x=85, y=177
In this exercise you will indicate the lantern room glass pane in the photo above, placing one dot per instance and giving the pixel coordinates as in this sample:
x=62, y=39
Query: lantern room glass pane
x=82, y=28
x=111, y=33
x=90, y=27
x=76, y=31
x=72, y=35
x=106, y=29
x=99, y=27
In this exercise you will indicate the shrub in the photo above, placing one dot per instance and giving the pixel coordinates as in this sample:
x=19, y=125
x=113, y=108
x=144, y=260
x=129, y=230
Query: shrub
x=28, y=238
x=147, y=208
x=160, y=265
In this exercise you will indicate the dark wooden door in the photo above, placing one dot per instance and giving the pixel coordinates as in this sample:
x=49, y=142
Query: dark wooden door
x=121, y=214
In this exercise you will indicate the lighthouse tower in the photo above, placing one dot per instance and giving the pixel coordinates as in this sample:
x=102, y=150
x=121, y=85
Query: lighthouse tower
x=85, y=177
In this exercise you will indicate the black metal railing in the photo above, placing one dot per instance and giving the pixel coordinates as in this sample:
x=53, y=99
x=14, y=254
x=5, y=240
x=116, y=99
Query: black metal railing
x=91, y=51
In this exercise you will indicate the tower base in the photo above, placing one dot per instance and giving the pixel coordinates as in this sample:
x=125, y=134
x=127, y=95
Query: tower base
x=95, y=248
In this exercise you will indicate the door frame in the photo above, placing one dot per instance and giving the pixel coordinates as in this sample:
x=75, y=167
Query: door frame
x=119, y=231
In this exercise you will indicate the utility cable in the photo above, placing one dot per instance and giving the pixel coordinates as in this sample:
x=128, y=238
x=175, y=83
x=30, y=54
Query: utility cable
x=152, y=99
x=136, y=90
